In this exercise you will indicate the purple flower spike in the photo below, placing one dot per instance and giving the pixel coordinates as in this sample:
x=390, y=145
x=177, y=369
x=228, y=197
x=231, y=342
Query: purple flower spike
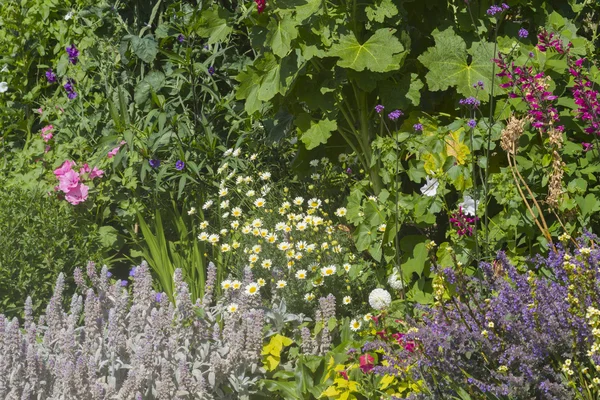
x=132, y=272
x=418, y=127
x=472, y=123
x=158, y=297
x=379, y=108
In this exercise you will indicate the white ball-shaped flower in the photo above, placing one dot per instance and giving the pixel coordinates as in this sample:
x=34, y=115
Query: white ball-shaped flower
x=380, y=299
x=395, y=281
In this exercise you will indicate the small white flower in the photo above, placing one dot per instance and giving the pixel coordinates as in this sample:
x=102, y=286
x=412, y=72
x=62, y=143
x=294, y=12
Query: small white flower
x=207, y=205
x=214, y=238
x=347, y=300
x=192, y=211
x=228, y=152
x=468, y=205
x=261, y=282
x=69, y=15
x=203, y=236
x=309, y=297
x=225, y=248
x=250, y=193
x=236, y=284
x=3, y=87
x=253, y=157
x=380, y=298
x=314, y=163
x=281, y=284
x=236, y=212
x=264, y=175
x=236, y=152
x=430, y=188
x=382, y=228
x=232, y=308
x=298, y=201
x=328, y=271
x=223, y=192
x=355, y=325
x=301, y=274
x=226, y=284
x=340, y=212
x=260, y=202
x=252, y=289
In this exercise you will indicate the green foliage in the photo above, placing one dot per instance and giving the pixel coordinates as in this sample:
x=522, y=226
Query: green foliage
x=41, y=237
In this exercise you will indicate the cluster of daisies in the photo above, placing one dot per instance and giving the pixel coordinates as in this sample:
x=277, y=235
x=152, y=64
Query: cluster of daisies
x=290, y=238
x=379, y=299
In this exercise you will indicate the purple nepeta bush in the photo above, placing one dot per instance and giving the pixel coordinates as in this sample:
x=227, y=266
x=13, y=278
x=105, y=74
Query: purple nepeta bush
x=512, y=335
x=119, y=344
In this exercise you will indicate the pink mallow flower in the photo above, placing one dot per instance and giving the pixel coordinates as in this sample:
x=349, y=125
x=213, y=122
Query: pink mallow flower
x=78, y=194
x=96, y=173
x=66, y=166
x=68, y=181
x=85, y=168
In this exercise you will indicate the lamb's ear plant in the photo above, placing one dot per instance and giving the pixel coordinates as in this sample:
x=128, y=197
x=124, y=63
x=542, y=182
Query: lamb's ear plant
x=131, y=344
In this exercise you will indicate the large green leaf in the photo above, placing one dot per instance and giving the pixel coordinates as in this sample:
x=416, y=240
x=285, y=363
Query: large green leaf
x=318, y=133
x=280, y=36
x=381, y=10
x=213, y=25
x=145, y=48
x=448, y=64
x=154, y=81
x=378, y=54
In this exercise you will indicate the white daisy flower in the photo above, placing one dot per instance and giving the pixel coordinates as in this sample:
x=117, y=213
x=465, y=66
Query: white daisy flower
x=252, y=289
x=301, y=274
x=355, y=325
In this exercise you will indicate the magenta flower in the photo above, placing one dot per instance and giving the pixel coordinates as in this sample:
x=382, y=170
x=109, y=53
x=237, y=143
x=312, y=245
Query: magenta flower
x=68, y=181
x=96, y=173
x=260, y=5
x=66, y=166
x=73, y=54
x=367, y=363
x=586, y=98
x=463, y=223
x=587, y=146
x=47, y=133
x=113, y=152
x=547, y=40
x=50, y=76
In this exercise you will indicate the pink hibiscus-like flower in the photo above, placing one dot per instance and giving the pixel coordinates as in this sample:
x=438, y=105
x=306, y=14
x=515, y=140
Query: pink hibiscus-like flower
x=68, y=181
x=78, y=194
x=67, y=165
x=367, y=363
x=85, y=168
x=96, y=173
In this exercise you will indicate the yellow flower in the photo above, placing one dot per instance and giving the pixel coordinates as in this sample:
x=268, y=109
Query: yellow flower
x=290, y=264
x=235, y=245
x=382, y=228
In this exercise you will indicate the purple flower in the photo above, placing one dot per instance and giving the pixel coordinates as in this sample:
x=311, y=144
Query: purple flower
x=471, y=102
x=73, y=54
x=154, y=163
x=132, y=272
x=158, y=297
x=179, y=165
x=70, y=88
x=586, y=146
x=123, y=283
x=493, y=10
x=379, y=108
x=211, y=70
x=180, y=38
x=463, y=222
x=349, y=170
x=51, y=76
x=394, y=115
x=472, y=123
x=523, y=33
x=478, y=85
x=418, y=127
x=531, y=54
x=108, y=274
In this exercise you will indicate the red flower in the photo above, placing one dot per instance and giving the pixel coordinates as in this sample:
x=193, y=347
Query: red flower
x=260, y=5
x=367, y=362
x=344, y=374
